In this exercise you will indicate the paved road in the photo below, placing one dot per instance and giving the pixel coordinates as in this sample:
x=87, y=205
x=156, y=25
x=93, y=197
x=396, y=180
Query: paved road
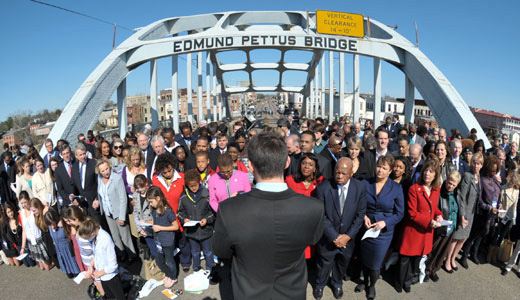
x=479, y=282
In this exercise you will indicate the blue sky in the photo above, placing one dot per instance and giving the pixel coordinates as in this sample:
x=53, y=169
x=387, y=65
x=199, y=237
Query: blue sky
x=46, y=54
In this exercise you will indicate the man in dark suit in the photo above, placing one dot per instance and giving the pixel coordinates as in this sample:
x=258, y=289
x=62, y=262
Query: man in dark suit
x=50, y=153
x=345, y=207
x=157, y=145
x=416, y=161
x=85, y=179
x=185, y=138
x=307, y=142
x=333, y=151
x=505, y=143
x=396, y=125
x=63, y=175
x=201, y=144
x=7, y=176
x=266, y=231
x=456, y=160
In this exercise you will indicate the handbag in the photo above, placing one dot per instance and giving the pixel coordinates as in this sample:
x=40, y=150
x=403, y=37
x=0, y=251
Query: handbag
x=506, y=250
x=152, y=271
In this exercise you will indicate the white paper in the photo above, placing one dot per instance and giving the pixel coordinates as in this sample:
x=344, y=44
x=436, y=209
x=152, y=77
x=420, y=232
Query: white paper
x=191, y=223
x=371, y=233
x=446, y=223
x=78, y=279
x=142, y=224
x=21, y=257
x=500, y=211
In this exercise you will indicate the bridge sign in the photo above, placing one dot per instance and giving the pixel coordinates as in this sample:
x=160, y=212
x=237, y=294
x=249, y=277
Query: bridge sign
x=331, y=22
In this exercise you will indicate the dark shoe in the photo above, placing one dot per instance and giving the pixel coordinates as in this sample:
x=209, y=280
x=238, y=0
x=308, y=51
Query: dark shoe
x=317, y=293
x=434, y=277
x=474, y=258
x=406, y=288
x=359, y=288
x=464, y=262
x=337, y=292
x=398, y=288
x=447, y=271
x=455, y=268
x=415, y=279
x=185, y=269
x=196, y=269
x=71, y=275
x=504, y=272
x=371, y=293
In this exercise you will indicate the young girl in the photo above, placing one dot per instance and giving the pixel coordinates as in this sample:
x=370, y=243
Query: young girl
x=39, y=210
x=73, y=217
x=164, y=223
x=67, y=263
x=32, y=234
x=11, y=233
x=103, y=266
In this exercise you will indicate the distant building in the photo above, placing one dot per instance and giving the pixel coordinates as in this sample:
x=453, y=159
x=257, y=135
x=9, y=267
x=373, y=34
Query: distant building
x=44, y=130
x=498, y=122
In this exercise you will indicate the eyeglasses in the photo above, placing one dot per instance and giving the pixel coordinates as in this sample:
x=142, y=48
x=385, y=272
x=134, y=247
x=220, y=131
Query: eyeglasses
x=118, y=147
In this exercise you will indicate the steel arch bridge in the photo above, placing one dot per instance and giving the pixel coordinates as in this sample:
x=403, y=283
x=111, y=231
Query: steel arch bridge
x=247, y=31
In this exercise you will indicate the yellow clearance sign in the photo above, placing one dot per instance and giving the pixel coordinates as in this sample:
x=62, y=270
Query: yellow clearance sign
x=331, y=22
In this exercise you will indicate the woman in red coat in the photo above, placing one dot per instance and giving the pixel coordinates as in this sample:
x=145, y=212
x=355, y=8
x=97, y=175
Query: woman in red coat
x=423, y=216
x=305, y=182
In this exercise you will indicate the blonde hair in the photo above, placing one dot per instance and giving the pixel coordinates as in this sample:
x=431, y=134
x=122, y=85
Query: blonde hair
x=454, y=175
x=134, y=150
x=476, y=156
x=101, y=162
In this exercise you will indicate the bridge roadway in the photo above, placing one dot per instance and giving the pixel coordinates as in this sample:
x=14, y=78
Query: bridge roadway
x=479, y=282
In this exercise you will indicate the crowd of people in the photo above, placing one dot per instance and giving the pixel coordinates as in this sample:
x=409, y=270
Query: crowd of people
x=356, y=200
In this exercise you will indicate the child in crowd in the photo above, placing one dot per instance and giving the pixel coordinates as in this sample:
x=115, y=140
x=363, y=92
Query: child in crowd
x=142, y=213
x=32, y=235
x=171, y=184
x=164, y=223
x=61, y=243
x=39, y=210
x=103, y=266
x=73, y=217
x=443, y=236
x=205, y=171
x=194, y=206
x=11, y=234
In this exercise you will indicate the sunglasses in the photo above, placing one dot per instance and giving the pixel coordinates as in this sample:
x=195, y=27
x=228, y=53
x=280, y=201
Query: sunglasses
x=118, y=147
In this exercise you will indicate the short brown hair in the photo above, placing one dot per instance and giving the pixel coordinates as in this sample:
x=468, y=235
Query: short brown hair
x=386, y=159
x=225, y=160
x=318, y=128
x=87, y=228
x=191, y=176
x=434, y=165
x=140, y=181
x=202, y=153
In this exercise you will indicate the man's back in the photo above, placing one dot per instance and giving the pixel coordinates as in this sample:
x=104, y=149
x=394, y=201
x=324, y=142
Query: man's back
x=266, y=234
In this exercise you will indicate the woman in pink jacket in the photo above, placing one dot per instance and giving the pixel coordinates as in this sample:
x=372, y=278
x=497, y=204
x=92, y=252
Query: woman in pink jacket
x=227, y=182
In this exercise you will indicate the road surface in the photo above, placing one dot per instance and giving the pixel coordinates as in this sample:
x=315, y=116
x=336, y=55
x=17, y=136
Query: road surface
x=479, y=282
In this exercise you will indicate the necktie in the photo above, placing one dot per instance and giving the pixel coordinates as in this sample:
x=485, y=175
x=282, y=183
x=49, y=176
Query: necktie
x=342, y=197
x=50, y=156
x=68, y=168
x=456, y=164
x=81, y=174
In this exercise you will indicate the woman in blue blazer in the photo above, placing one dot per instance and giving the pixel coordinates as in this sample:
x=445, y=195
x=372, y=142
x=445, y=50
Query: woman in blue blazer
x=385, y=209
